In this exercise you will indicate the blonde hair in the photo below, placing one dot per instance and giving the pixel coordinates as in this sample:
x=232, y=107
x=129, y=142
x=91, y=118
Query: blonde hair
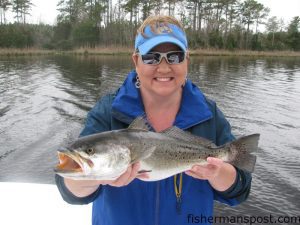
x=159, y=19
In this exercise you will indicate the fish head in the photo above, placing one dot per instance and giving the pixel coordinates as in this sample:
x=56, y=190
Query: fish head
x=93, y=161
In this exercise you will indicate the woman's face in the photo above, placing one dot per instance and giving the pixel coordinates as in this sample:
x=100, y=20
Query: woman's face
x=164, y=79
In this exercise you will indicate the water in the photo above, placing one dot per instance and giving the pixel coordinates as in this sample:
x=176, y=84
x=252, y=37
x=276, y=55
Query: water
x=44, y=100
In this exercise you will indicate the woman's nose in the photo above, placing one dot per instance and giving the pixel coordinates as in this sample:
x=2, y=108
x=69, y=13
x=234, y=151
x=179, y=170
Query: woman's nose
x=163, y=67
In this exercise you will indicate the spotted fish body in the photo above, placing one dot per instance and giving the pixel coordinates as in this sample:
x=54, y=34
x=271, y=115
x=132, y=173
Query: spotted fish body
x=106, y=155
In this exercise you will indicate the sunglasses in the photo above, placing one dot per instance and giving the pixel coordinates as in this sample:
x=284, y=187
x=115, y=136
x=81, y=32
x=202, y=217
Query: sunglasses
x=154, y=58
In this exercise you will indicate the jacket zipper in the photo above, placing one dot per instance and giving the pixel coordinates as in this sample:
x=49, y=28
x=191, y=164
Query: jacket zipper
x=178, y=192
x=157, y=203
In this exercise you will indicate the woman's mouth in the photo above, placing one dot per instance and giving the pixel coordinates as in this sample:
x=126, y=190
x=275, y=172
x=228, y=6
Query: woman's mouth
x=163, y=79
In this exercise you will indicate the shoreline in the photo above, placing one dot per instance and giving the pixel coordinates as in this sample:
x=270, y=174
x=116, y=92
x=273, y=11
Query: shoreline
x=128, y=51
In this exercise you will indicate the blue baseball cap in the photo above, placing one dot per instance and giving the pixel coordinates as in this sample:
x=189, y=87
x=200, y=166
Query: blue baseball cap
x=158, y=34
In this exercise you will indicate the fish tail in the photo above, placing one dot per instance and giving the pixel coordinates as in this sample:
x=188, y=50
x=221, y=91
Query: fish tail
x=240, y=152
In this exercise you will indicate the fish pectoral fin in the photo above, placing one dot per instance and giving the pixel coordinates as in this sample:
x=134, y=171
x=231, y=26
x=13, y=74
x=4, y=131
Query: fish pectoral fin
x=140, y=123
x=179, y=134
x=144, y=171
x=144, y=155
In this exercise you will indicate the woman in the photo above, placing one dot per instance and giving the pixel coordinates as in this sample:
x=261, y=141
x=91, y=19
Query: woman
x=159, y=89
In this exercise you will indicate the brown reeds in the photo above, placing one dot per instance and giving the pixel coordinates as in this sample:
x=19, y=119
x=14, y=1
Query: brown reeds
x=119, y=50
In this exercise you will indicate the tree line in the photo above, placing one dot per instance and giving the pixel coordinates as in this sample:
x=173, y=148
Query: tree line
x=219, y=24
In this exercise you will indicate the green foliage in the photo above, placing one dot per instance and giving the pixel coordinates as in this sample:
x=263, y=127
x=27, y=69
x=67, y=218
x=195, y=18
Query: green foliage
x=16, y=36
x=85, y=34
x=215, y=40
x=293, y=37
x=226, y=24
x=42, y=35
x=196, y=39
x=64, y=45
x=21, y=9
x=62, y=31
x=256, y=43
x=275, y=41
x=231, y=42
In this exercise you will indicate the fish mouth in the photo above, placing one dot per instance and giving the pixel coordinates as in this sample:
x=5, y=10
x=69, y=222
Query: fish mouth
x=72, y=162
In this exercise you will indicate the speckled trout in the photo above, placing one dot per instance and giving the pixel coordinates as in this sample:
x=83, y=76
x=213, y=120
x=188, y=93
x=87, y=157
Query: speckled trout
x=106, y=155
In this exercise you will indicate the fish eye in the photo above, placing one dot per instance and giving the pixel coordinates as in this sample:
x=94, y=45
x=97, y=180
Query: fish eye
x=90, y=151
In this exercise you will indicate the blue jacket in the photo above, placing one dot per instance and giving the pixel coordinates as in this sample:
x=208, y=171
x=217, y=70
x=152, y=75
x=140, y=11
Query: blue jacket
x=153, y=203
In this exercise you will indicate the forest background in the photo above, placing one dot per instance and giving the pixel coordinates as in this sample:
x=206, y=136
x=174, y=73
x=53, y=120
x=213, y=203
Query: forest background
x=209, y=24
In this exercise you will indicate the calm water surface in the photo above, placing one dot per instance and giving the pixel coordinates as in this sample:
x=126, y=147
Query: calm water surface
x=44, y=100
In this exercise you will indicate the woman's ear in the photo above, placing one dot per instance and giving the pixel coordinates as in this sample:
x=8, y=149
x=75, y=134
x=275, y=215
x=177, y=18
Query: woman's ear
x=135, y=59
x=188, y=56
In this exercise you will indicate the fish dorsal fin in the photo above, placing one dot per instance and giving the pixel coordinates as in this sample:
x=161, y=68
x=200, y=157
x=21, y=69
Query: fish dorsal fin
x=139, y=123
x=179, y=134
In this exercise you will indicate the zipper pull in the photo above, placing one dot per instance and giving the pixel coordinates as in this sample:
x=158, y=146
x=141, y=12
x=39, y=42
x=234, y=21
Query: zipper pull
x=178, y=204
x=178, y=191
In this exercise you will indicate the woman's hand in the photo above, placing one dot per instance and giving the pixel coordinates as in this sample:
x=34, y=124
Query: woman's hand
x=83, y=188
x=127, y=177
x=220, y=175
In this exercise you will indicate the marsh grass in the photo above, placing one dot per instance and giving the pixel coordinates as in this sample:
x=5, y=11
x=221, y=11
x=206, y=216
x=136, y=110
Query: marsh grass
x=220, y=52
x=24, y=51
x=115, y=50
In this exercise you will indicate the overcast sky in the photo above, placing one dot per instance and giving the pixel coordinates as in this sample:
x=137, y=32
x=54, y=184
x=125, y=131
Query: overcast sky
x=45, y=11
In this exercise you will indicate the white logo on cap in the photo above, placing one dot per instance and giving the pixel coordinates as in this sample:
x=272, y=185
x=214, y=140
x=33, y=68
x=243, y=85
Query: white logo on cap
x=162, y=28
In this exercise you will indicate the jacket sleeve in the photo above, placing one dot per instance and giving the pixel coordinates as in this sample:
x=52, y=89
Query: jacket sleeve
x=240, y=190
x=69, y=197
x=98, y=120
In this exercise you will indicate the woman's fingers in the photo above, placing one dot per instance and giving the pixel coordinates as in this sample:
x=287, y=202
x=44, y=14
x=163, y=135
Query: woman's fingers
x=208, y=171
x=127, y=177
x=134, y=173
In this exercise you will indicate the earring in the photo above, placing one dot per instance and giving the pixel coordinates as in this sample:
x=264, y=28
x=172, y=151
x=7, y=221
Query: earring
x=137, y=83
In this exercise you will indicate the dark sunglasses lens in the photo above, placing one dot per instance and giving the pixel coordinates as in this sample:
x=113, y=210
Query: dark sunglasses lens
x=151, y=58
x=175, y=57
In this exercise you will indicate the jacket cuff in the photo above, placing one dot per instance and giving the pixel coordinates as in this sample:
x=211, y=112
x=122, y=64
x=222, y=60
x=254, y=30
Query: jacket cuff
x=70, y=198
x=240, y=189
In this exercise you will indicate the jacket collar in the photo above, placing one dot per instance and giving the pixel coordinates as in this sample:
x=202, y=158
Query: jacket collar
x=128, y=104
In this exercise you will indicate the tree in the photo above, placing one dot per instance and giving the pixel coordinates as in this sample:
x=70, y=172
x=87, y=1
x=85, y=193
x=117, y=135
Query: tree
x=26, y=7
x=230, y=14
x=293, y=39
x=21, y=8
x=85, y=34
x=17, y=9
x=170, y=6
x=272, y=26
x=4, y=5
x=132, y=7
x=251, y=11
x=260, y=14
x=71, y=11
x=147, y=6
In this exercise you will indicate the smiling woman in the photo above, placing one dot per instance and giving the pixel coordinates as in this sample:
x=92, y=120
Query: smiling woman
x=159, y=91
x=44, y=100
x=162, y=79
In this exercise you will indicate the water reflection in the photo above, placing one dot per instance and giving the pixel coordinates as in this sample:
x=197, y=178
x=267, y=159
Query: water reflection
x=44, y=100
